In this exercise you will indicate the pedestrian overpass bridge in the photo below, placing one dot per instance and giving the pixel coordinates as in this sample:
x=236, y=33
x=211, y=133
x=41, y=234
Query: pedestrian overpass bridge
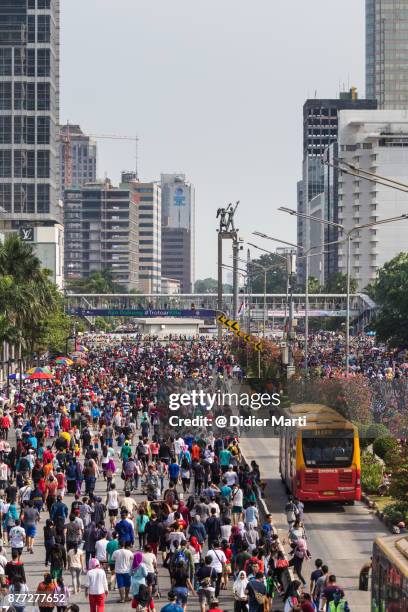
x=362, y=308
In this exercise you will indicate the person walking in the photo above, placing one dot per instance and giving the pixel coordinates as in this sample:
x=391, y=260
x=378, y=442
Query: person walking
x=96, y=587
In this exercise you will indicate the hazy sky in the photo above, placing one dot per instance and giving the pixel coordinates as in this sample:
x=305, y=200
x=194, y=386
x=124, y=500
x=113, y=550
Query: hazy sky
x=213, y=88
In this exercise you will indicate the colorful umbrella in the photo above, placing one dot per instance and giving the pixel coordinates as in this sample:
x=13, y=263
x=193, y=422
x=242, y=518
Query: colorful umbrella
x=81, y=362
x=39, y=371
x=77, y=354
x=41, y=376
x=64, y=361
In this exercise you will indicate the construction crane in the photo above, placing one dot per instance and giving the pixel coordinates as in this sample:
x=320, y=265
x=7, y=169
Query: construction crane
x=66, y=139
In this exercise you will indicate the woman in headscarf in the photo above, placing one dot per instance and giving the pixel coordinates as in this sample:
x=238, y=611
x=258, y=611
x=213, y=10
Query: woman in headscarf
x=195, y=549
x=238, y=590
x=139, y=574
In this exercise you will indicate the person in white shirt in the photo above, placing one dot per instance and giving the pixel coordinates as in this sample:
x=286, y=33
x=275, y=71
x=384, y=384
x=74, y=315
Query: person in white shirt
x=96, y=585
x=123, y=559
x=214, y=504
x=17, y=538
x=218, y=561
x=231, y=477
x=112, y=504
x=149, y=559
x=3, y=560
x=100, y=550
x=4, y=474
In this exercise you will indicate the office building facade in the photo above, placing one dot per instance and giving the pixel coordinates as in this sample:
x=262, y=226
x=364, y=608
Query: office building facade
x=78, y=157
x=178, y=230
x=378, y=142
x=101, y=233
x=387, y=53
x=320, y=129
x=29, y=119
x=148, y=201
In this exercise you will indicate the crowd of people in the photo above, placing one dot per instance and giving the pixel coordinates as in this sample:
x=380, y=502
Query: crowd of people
x=374, y=360
x=88, y=465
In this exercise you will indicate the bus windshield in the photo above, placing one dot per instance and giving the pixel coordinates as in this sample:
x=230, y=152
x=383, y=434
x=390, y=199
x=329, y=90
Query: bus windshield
x=330, y=451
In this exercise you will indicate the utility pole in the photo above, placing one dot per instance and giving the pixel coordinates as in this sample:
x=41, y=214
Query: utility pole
x=219, y=303
x=235, y=280
x=228, y=231
x=291, y=262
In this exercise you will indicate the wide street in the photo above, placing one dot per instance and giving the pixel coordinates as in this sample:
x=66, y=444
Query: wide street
x=340, y=535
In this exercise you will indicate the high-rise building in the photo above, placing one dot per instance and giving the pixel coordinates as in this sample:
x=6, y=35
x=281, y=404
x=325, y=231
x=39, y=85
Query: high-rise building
x=101, y=233
x=148, y=200
x=29, y=118
x=387, y=53
x=378, y=142
x=77, y=158
x=178, y=230
x=320, y=126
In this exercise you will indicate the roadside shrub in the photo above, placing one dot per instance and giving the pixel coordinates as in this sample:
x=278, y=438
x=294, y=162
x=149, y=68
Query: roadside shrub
x=371, y=473
x=396, y=512
x=393, y=457
x=377, y=430
x=384, y=444
x=362, y=434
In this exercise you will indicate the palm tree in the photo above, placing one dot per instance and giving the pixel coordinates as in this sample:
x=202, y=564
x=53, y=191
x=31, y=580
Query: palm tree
x=17, y=259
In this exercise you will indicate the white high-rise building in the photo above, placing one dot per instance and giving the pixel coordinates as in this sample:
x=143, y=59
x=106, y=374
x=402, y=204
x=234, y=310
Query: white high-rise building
x=376, y=141
x=178, y=230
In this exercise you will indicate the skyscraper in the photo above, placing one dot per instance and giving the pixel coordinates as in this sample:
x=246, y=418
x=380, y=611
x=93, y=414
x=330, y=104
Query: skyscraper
x=148, y=201
x=77, y=158
x=387, y=53
x=29, y=105
x=320, y=125
x=378, y=142
x=178, y=230
x=29, y=118
x=101, y=233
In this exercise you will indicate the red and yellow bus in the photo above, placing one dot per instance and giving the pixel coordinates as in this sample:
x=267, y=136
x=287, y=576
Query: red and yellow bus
x=320, y=461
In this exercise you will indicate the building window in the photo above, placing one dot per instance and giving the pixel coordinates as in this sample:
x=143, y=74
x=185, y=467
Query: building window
x=30, y=62
x=43, y=198
x=43, y=96
x=5, y=61
x=5, y=163
x=5, y=96
x=43, y=29
x=5, y=196
x=43, y=130
x=43, y=164
x=24, y=198
x=43, y=5
x=31, y=28
x=5, y=130
x=43, y=63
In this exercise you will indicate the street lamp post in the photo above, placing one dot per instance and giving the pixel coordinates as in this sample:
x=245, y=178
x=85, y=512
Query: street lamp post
x=307, y=254
x=348, y=237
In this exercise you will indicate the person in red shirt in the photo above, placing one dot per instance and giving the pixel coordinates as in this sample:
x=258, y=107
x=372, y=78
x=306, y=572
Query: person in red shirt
x=195, y=452
x=306, y=603
x=48, y=456
x=66, y=423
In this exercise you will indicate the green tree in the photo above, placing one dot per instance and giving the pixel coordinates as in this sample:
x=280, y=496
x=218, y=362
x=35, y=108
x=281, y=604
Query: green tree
x=276, y=277
x=314, y=285
x=210, y=285
x=28, y=298
x=96, y=282
x=337, y=283
x=390, y=292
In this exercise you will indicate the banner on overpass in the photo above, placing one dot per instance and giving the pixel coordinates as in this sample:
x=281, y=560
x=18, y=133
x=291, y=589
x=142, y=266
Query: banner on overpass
x=137, y=312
